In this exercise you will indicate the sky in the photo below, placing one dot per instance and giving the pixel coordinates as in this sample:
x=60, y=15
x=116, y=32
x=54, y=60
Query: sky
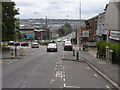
x=59, y=9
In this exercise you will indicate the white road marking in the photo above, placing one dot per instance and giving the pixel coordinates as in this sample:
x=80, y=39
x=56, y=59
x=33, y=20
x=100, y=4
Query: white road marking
x=32, y=54
x=9, y=62
x=72, y=87
x=64, y=79
x=12, y=61
x=15, y=60
x=64, y=85
x=63, y=75
x=52, y=80
x=58, y=74
x=102, y=62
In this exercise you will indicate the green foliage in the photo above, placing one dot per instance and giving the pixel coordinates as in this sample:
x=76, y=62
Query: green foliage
x=101, y=48
x=44, y=43
x=9, y=21
x=52, y=38
x=116, y=49
x=65, y=30
x=5, y=48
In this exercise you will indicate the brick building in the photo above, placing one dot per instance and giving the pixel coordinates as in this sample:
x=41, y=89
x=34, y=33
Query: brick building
x=42, y=34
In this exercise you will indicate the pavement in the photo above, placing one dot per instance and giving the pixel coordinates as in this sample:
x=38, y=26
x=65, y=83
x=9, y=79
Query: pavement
x=104, y=67
x=20, y=52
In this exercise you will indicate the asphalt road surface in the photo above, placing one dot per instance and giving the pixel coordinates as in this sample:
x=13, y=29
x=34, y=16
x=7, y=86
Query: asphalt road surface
x=41, y=69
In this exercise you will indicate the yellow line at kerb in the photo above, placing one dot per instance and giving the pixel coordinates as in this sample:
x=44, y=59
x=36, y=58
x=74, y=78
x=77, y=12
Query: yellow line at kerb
x=108, y=87
x=95, y=75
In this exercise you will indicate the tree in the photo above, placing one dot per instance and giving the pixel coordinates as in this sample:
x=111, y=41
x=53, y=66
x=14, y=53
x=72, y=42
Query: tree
x=18, y=35
x=9, y=22
x=65, y=30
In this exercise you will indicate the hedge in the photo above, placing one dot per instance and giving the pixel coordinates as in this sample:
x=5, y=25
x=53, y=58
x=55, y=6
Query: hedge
x=5, y=48
x=44, y=43
x=101, y=48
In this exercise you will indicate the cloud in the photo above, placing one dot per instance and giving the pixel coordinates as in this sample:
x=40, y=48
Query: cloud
x=59, y=8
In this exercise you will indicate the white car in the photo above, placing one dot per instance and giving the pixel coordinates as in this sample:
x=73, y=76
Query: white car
x=52, y=47
x=59, y=40
x=34, y=45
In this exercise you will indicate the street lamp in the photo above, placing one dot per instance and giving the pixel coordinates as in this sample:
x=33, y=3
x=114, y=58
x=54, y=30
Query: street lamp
x=79, y=33
x=15, y=42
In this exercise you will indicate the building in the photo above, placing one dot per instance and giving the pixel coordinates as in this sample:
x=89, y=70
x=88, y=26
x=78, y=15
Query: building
x=27, y=32
x=100, y=32
x=112, y=25
x=91, y=25
x=42, y=34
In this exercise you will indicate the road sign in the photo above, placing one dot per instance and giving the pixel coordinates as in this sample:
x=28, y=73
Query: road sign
x=85, y=33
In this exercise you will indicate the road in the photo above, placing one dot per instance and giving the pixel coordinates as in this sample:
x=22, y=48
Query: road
x=41, y=69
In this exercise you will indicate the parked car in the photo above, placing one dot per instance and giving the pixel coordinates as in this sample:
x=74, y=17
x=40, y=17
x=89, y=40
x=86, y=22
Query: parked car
x=52, y=47
x=34, y=45
x=17, y=43
x=68, y=47
x=11, y=43
x=24, y=44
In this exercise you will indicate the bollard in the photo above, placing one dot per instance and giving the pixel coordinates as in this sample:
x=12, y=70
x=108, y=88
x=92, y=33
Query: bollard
x=15, y=50
x=77, y=56
x=12, y=52
x=107, y=52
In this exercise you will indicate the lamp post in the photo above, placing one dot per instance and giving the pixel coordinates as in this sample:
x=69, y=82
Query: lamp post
x=15, y=42
x=79, y=33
